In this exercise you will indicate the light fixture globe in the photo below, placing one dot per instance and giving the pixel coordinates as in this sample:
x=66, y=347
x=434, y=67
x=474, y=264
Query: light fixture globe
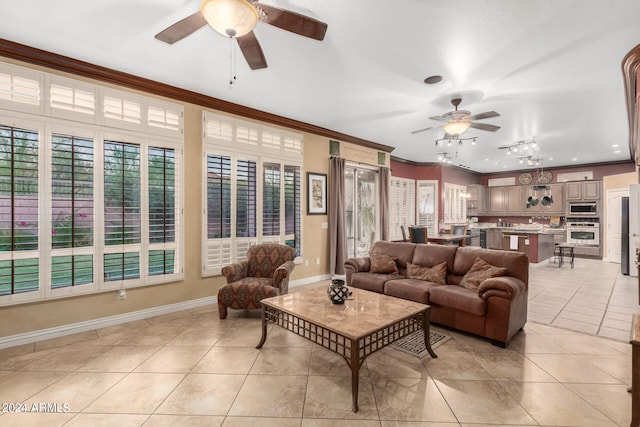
x=456, y=127
x=232, y=18
x=458, y=122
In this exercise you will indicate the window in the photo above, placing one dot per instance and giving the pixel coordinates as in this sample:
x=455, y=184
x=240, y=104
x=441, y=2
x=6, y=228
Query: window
x=72, y=203
x=162, y=211
x=84, y=206
x=427, y=205
x=271, y=200
x=19, y=207
x=402, y=204
x=250, y=197
x=455, y=203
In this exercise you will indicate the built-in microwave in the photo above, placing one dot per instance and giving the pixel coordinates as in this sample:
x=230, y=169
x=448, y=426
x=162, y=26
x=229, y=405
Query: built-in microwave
x=583, y=209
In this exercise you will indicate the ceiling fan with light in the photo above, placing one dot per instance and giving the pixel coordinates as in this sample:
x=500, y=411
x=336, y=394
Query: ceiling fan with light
x=237, y=19
x=458, y=121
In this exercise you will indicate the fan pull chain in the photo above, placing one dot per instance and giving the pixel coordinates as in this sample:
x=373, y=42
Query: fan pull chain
x=232, y=61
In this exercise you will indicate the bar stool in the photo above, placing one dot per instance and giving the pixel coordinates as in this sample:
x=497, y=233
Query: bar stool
x=565, y=250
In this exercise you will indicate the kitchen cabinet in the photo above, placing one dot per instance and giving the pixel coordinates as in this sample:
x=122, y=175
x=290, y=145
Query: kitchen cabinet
x=494, y=238
x=505, y=200
x=583, y=190
x=556, y=208
x=476, y=200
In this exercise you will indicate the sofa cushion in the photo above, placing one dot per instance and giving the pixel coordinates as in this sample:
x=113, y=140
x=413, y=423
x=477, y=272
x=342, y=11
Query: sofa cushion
x=410, y=289
x=480, y=271
x=430, y=255
x=383, y=264
x=372, y=281
x=401, y=251
x=517, y=263
x=437, y=273
x=458, y=298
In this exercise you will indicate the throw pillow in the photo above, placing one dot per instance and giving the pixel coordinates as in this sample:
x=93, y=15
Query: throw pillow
x=480, y=271
x=384, y=264
x=436, y=274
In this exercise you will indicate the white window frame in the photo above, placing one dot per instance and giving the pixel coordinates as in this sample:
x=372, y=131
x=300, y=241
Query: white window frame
x=46, y=121
x=427, y=213
x=220, y=138
x=402, y=206
x=455, y=203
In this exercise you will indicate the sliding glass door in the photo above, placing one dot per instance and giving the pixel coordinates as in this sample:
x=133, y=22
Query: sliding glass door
x=362, y=213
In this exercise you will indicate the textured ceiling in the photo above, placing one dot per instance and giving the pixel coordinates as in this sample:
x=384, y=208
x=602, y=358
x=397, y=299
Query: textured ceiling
x=552, y=69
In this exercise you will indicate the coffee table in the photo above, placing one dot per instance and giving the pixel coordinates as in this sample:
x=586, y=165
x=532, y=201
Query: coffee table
x=364, y=324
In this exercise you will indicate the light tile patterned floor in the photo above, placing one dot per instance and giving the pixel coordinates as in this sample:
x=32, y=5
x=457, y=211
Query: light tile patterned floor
x=593, y=297
x=190, y=368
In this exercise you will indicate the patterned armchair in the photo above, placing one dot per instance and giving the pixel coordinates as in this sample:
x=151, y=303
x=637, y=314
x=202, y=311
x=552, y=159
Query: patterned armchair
x=264, y=274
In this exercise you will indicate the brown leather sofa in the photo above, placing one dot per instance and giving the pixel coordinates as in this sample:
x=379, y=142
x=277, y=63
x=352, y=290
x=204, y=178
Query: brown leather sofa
x=497, y=310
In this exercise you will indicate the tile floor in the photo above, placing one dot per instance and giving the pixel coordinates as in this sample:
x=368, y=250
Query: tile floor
x=189, y=369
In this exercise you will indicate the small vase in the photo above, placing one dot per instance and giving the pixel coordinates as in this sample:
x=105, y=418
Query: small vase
x=338, y=291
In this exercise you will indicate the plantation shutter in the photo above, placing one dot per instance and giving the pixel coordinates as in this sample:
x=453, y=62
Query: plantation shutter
x=19, y=205
x=72, y=210
x=122, y=216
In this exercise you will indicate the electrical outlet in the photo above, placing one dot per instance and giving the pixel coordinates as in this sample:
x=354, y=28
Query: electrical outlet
x=122, y=294
x=306, y=263
x=317, y=261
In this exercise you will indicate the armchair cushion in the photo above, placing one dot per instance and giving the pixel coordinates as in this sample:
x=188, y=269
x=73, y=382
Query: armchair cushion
x=480, y=271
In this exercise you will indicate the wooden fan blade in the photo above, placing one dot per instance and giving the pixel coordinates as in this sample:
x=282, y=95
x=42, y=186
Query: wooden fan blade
x=485, y=115
x=292, y=21
x=252, y=51
x=182, y=28
x=422, y=130
x=439, y=118
x=484, y=126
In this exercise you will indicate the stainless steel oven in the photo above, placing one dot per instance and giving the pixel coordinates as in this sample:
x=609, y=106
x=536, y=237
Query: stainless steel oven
x=583, y=209
x=583, y=231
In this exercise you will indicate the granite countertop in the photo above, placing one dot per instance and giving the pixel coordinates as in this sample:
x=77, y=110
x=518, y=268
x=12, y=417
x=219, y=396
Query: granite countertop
x=525, y=229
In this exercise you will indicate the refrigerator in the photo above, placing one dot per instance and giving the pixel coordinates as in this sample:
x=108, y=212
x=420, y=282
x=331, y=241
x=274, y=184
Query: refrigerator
x=624, y=236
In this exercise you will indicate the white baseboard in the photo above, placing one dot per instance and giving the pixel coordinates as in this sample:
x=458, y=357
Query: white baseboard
x=309, y=280
x=89, y=325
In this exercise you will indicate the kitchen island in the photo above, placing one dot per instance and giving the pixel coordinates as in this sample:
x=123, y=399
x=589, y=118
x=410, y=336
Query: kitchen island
x=535, y=243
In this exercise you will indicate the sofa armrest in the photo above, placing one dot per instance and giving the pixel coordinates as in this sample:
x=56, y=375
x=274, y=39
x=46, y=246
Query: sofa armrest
x=505, y=287
x=236, y=271
x=357, y=264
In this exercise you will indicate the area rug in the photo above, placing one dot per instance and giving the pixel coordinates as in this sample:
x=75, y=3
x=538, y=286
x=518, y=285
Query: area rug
x=413, y=343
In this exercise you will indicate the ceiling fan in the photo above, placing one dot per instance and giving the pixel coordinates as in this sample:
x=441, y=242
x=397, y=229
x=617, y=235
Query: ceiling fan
x=458, y=121
x=237, y=19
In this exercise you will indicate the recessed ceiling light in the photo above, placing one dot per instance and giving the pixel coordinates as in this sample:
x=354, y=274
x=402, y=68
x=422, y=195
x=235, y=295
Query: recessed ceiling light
x=615, y=145
x=550, y=158
x=616, y=152
x=575, y=159
x=431, y=80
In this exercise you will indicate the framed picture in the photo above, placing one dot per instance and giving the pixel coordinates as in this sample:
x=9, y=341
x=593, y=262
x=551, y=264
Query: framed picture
x=316, y=193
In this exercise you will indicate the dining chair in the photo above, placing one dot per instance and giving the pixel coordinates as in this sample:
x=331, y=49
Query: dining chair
x=460, y=229
x=418, y=234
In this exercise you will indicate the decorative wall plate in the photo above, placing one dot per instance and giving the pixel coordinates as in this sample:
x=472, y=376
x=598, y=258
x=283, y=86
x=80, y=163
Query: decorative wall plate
x=545, y=177
x=525, y=179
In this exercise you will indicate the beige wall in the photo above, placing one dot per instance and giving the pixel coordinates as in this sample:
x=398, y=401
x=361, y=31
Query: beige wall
x=24, y=318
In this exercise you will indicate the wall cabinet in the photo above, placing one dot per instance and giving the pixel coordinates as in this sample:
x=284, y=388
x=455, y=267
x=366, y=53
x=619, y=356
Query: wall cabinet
x=556, y=208
x=583, y=190
x=476, y=200
x=505, y=200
